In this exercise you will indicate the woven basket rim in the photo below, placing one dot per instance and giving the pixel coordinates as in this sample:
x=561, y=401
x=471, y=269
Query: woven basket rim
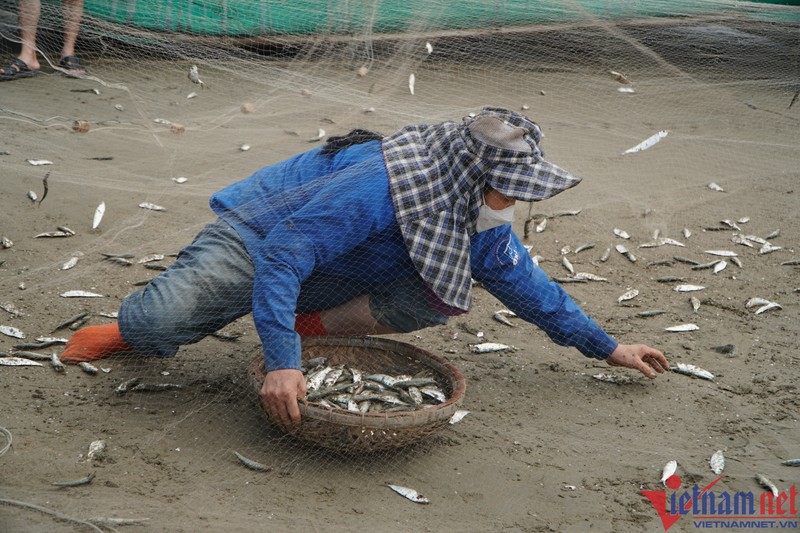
x=393, y=420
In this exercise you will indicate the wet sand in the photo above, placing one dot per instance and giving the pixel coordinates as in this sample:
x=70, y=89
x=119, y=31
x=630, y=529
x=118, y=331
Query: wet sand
x=545, y=447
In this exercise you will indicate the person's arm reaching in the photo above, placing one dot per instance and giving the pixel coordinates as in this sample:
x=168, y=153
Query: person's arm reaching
x=505, y=269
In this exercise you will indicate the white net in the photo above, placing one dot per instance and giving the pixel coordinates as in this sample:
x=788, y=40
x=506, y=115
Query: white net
x=545, y=446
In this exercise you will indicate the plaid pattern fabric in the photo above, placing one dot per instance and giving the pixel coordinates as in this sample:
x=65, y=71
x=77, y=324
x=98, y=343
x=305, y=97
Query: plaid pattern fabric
x=436, y=178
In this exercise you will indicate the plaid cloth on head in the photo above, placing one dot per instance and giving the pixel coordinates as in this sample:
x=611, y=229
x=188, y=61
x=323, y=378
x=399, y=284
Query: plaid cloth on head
x=437, y=174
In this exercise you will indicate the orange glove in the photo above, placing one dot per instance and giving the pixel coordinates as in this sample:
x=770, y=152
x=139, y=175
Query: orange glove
x=94, y=342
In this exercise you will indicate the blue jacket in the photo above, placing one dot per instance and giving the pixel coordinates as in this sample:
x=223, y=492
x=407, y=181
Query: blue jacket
x=332, y=214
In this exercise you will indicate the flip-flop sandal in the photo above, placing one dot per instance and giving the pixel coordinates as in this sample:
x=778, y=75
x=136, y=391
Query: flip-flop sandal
x=16, y=70
x=73, y=67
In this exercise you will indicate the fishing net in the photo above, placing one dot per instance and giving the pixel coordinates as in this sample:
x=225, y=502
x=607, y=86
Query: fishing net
x=677, y=115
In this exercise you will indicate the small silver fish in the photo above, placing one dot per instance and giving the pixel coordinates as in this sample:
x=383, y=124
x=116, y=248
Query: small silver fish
x=613, y=378
x=155, y=387
x=18, y=361
x=721, y=253
x=589, y=276
x=80, y=294
x=488, y=347
x=83, y=481
x=151, y=206
x=714, y=187
x=605, y=256
x=704, y=266
x=52, y=340
x=500, y=316
x=791, y=462
x=689, y=288
x=194, y=76
x=314, y=379
x=647, y=143
x=622, y=78
x=32, y=196
x=767, y=484
x=53, y=234
x=695, y=303
x=56, y=363
x=9, y=308
x=692, y=370
x=150, y=258
x=774, y=234
x=33, y=355
x=769, y=248
x=125, y=386
x=687, y=233
x=319, y=137
x=756, y=239
x=752, y=302
x=567, y=264
x=252, y=465
x=731, y=224
x=434, y=392
x=685, y=260
x=740, y=239
x=669, y=469
x=180, y=180
x=622, y=234
x=736, y=261
x=717, y=462
x=332, y=377
x=629, y=295
x=98, y=215
x=541, y=226
x=458, y=416
x=682, y=328
x=719, y=267
x=70, y=263
x=12, y=332
x=88, y=368
x=411, y=494
x=768, y=307
x=654, y=312
x=39, y=162
x=670, y=279
x=622, y=249
x=582, y=247
x=412, y=80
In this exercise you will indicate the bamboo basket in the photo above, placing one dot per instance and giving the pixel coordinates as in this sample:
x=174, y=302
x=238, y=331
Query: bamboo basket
x=350, y=432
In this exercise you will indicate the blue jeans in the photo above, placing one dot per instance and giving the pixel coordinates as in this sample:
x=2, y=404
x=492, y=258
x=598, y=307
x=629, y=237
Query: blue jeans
x=211, y=284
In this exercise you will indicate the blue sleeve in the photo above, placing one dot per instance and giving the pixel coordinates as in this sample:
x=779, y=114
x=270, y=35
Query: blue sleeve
x=503, y=266
x=352, y=206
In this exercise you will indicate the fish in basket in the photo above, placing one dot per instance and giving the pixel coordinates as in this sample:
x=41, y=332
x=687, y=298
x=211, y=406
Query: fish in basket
x=370, y=394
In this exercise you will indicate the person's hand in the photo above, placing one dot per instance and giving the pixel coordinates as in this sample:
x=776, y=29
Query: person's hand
x=641, y=357
x=279, y=394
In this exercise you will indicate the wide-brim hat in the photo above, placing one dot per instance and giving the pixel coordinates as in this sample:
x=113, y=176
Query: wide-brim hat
x=437, y=174
x=510, y=146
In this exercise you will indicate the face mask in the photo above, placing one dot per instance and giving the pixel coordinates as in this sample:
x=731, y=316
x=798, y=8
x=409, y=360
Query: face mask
x=489, y=218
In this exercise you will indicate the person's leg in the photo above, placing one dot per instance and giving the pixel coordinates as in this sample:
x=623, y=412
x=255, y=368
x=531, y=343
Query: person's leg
x=353, y=318
x=398, y=306
x=73, y=11
x=208, y=286
x=29, y=12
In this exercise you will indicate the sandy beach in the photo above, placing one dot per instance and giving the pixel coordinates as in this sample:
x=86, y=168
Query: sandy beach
x=545, y=446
